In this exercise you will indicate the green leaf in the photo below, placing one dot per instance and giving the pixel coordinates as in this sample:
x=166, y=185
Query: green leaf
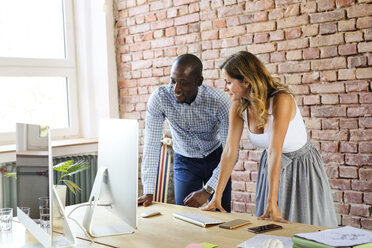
x=72, y=186
x=64, y=166
x=75, y=168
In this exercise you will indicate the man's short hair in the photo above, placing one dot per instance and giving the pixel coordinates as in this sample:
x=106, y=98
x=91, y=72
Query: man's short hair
x=191, y=60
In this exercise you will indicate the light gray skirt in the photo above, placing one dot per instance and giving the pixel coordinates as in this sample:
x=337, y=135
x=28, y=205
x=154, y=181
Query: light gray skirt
x=304, y=192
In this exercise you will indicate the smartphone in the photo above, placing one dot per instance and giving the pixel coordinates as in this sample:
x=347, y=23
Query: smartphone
x=265, y=228
x=234, y=224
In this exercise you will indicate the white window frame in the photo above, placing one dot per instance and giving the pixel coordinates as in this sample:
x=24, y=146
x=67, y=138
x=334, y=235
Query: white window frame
x=40, y=67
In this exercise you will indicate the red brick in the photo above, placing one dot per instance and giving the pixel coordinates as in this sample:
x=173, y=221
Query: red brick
x=366, y=223
x=368, y=37
x=231, y=32
x=293, y=33
x=348, y=123
x=346, y=74
x=357, y=61
x=364, y=73
x=310, y=30
x=292, y=10
x=364, y=22
x=337, y=196
x=359, y=210
x=261, y=38
x=365, y=122
x=362, y=111
x=290, y=67
x=367, y=197
x=327, y=16
x=260, y=16
x=294, y=55
x=353, y=197
x=248, y=18
x=232, y=21
x=245, y=39
x=356, y=86
x=300, y=89
x=186, y=19
x=311, y=53
x=265, y=58
x=324, y=5
x=346, y=25
x=238, y=186
x=187, y=39
x=327, y=40
x=292, y=21
x=255, y=155
x=240, y=196
x=293, y=44
x=365, y=186
x=348, y=172
x=358, y=159
x=332, y=171
x=328, y=64
x=326, y=111
x=329, y=146
x=238, y=207
x=308, y=7
x=233, y=10
x=347, y=49
x=342, y=208
x=332, y=135
x=365, y=97
x=365, y=174
x=327, y=88
x=342, y=184
x=328, y=124
x=183, y=2
x=365, y=147
x=353, y=36
x=277, y=57
x=328, y=28
x=310, y=77
x=326, y=52
x=351, y=221
x=359, y=10
x=348, y=98
x=312, y=100
x=138, y=10
x=312, y=123
x=365, y=47
x=219, y=23
x=328, y=76
x=260, y=27
x=261, y=48
x=208, y=15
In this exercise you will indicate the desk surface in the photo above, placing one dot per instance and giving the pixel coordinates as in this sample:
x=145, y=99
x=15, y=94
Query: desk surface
x=167, y=231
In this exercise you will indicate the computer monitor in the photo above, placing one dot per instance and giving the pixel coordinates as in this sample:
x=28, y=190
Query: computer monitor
x=34, y=180
x=112, y=205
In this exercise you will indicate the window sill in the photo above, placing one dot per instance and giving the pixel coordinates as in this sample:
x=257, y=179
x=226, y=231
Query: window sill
x=60, y=148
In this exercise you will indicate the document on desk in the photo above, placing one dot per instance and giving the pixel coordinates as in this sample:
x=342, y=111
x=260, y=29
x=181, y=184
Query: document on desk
x=259, y=240
x=339, y=237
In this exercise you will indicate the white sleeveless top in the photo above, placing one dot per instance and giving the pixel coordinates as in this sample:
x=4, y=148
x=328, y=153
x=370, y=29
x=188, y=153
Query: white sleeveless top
x=295, y=138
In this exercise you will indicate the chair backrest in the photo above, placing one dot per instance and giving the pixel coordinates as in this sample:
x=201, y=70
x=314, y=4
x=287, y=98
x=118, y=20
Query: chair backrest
x=163, y=175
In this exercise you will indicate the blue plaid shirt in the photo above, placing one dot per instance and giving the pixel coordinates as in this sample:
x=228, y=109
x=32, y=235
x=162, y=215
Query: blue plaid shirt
x=197, y=129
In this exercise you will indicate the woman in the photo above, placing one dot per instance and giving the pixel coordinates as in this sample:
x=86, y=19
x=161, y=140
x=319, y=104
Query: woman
x=292, y=183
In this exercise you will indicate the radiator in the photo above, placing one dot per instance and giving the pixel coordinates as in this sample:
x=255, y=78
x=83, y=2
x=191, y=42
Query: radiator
x=84, y=180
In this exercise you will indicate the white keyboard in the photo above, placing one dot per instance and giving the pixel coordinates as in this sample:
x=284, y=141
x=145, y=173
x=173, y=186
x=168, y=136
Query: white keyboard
x=197, y=219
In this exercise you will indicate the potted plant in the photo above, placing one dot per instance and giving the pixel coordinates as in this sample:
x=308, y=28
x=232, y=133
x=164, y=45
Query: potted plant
x=66, y=169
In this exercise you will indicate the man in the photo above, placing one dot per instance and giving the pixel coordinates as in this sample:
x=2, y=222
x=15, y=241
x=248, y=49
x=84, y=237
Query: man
x=198, y=119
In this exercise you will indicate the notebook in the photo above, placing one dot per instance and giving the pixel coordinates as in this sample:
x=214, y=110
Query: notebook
x=197, y=219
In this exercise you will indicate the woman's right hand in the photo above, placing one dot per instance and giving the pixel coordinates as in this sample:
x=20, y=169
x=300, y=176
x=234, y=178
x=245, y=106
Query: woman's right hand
x=214, y=205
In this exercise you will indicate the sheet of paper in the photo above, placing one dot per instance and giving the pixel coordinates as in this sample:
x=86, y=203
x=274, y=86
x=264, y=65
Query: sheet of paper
x=258, y=241
x=342, y=236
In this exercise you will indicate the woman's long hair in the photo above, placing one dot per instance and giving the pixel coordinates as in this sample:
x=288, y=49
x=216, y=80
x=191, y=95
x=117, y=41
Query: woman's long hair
x=245, y=66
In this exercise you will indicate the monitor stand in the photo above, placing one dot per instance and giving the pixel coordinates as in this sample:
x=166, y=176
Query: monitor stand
x=98, y=220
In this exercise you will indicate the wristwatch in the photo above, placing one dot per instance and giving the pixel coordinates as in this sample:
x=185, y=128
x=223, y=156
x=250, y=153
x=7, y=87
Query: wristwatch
x=209, y=189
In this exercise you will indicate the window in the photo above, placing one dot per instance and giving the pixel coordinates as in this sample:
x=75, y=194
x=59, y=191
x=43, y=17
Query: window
x=37, y=67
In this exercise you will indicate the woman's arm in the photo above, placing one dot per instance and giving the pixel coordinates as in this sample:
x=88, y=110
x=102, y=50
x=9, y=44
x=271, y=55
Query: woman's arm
x=284, y=109
x=229, y=155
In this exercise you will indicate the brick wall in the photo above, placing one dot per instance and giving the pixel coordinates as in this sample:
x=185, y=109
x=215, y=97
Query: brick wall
x=322, y=49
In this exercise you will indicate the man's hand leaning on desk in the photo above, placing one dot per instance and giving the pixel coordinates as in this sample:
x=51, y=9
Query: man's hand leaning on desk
x=145, y=200
x=197, y=198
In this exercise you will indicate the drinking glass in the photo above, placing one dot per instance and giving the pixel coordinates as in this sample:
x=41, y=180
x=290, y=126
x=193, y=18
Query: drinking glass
x=26, y=210
x=44, y=212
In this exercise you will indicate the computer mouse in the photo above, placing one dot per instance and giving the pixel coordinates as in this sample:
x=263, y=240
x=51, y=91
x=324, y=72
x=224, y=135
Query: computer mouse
x=273, y=243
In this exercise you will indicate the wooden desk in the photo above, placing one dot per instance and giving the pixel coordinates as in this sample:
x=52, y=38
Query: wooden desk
x=167, y=231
